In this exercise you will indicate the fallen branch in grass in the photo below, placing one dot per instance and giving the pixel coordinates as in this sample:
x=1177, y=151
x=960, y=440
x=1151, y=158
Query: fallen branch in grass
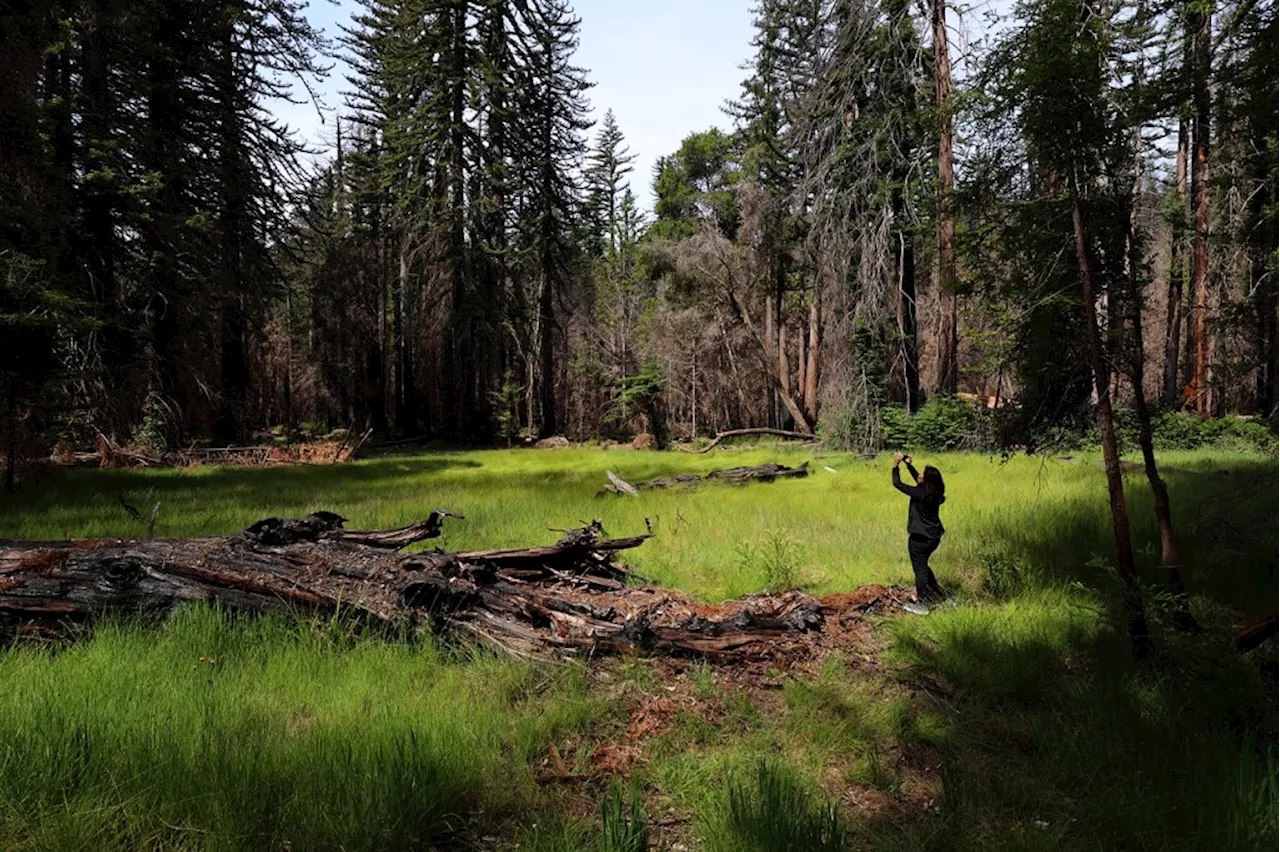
x=1257, y=632
x=535, y=601
x=735, y=433
x=758, y=473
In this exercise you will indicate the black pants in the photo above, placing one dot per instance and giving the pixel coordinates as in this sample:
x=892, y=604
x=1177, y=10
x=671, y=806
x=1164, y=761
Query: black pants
x=921, y=548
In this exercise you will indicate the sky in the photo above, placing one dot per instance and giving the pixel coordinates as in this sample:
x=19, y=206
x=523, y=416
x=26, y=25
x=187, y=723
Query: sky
x=665, y=68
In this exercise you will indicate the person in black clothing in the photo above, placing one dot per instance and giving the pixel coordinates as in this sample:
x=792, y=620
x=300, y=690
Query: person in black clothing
x=924, y=527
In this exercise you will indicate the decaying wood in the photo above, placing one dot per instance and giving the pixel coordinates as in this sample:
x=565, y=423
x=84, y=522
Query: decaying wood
x=1257, y=632
x=757, y=473
x=571, y=596
x=109, y=454
x=735, y=433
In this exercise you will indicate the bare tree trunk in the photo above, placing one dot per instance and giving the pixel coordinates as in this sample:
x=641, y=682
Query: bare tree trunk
x=1132, y=302
x=811, y=374
x=771, y=345
x=948, y=366
x=907, y=322
x=784, y=368
x=1201, y=24
x=802, y=363
x=1110, y=450
x=1177, y=271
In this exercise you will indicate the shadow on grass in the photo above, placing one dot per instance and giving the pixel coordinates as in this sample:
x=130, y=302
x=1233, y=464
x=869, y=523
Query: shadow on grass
x=1052, y=737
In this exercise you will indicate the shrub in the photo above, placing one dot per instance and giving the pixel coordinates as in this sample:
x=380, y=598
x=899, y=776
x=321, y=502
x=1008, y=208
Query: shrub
x=1178, y=430
x=1182, y=430
x=894, y=427
x=945, y=423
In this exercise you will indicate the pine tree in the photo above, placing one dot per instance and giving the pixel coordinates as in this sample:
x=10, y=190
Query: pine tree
x=553, y=111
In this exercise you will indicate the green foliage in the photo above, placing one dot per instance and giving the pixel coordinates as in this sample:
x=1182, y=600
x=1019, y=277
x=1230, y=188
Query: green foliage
x=775, y=557
x=694, y=185
x=643, y=391
x=768, y=809
x=154, y=431
x=1004, y=576
x=623, y=827
x=946, y=423
x=895, y=426
x=506, y=402
x=1182, y=430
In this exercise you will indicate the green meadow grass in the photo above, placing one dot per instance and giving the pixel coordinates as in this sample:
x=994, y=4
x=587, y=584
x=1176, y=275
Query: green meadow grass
x=224, y=733
x=841, y=529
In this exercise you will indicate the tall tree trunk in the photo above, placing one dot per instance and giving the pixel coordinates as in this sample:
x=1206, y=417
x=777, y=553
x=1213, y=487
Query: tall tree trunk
x=1110, y=449
x=784, y=366
x=815, y=347
x=948, y=363
x=802, y=362
x=771, y=345
x=1131, y=300
x=1177, y=272
x=907, y=322
x=1201, y=24
x=231, y=425
x=546, y=356
x=100, y=205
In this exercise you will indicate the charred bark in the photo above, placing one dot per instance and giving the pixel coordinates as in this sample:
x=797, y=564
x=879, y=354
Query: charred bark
x=566, y=597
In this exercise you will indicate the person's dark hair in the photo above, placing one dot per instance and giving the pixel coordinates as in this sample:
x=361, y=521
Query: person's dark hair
x=933, y=484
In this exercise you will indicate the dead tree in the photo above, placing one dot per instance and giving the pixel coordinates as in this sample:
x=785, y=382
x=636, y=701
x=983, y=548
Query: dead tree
x=568, y=597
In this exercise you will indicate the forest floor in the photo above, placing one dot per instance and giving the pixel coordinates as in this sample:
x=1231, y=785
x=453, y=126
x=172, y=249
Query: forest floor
x=1015, y=719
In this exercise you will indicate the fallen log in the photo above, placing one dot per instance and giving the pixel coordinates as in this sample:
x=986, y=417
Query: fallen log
x=758, y=473
x=568, y=597
x=1257, y=632
x=736, y=433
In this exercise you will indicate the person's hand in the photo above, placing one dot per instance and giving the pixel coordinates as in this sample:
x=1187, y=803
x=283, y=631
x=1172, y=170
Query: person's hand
x=897, y=458
x=907, y=459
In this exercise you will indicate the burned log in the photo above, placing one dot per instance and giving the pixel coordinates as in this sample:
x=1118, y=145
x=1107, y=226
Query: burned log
x=761, y=473
x=571, y=596
x=757, y=473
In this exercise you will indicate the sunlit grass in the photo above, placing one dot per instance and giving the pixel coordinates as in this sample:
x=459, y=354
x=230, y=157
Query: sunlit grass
x=847, y=528
x=252, y=734
x=220, y=733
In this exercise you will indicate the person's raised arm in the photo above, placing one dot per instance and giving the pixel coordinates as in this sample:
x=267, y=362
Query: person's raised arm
x=911, y=469
x=909, y=490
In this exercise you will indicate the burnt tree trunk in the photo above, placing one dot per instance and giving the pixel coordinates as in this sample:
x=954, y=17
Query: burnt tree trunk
x=1111, y=454
x=570, y=596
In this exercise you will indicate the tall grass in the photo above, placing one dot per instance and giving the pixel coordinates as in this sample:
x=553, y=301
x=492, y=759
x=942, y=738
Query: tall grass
x=839, y=530
x=221, y=734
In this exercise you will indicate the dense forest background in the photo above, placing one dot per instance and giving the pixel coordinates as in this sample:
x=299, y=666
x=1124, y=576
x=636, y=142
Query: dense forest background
x=871, y=233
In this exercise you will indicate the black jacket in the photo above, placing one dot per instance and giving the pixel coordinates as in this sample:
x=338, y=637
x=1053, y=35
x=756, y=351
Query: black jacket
x=922, y=516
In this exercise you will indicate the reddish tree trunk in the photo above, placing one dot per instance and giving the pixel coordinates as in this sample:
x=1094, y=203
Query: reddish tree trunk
x=948, y=366
x=1110, y=450
x=1201, y=24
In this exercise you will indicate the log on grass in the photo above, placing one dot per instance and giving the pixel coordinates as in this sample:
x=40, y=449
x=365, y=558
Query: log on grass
x=737, y=433
x=757, y=473
x=571, y=596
